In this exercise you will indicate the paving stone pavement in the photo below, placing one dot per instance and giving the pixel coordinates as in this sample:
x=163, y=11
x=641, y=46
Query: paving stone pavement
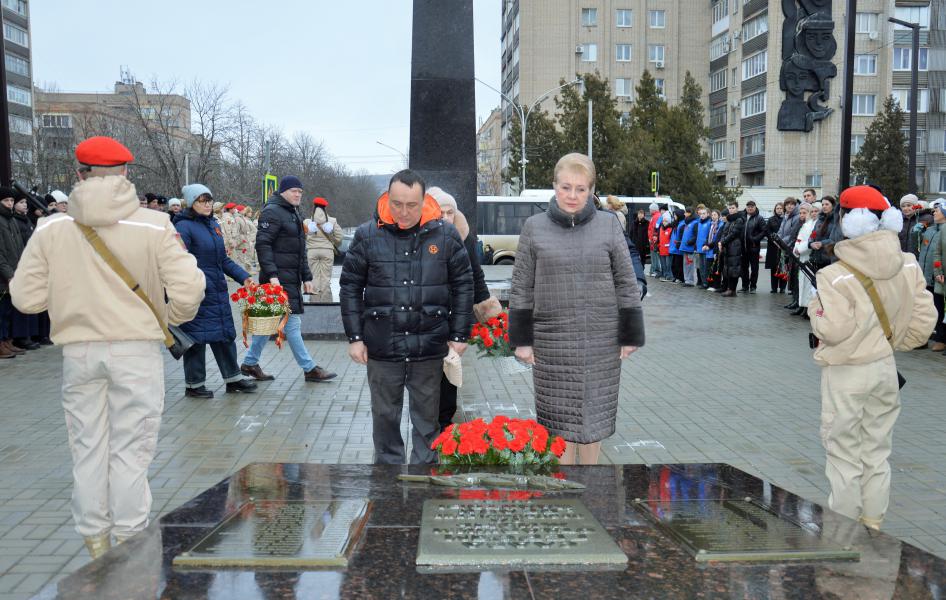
x=720, y=380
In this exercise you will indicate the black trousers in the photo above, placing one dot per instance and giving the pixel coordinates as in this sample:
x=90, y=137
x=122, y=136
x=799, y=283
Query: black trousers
x=448, y=402
x=750, y=269
x=195, y=363
x=387, y=380
x=676, y=266
x=793, y=280
x=731, y=283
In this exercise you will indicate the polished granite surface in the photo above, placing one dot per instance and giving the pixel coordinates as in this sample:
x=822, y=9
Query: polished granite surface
x=625, y=499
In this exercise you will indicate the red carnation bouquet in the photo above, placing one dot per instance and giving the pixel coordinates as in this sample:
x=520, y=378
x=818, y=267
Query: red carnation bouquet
x=503, y=441
x=492, y=338
x=265, y=310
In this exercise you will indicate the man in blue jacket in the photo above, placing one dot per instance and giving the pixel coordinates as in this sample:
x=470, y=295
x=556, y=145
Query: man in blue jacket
x=702, y=234
x=688, y=248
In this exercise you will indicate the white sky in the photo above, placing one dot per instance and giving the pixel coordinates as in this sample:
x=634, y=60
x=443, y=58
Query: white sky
x=338, y=70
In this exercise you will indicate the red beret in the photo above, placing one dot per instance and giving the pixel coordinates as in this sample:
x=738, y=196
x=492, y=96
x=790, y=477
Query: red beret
x=229, y=205
x=320, y=202
x=240, y=207
x=863, y=196
x=101, y=151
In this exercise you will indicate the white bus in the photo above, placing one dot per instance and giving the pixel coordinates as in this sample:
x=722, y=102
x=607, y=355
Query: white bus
x=499, y=219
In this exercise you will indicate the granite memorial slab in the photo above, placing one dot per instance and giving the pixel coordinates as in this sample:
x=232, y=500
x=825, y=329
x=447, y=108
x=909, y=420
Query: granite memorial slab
x=740, y=530
x=460, y=535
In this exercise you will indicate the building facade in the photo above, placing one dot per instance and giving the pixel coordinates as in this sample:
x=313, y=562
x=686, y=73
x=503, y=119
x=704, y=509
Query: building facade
x=18, y=61
x=734, y=48
x=489, y=166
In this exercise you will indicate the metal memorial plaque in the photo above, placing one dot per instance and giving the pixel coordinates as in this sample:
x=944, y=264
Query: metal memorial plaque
x=739, y=530
x=282, y=534
x=473, y=535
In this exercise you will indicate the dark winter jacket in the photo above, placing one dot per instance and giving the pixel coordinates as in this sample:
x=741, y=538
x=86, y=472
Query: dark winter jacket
x=688, y=238
x=756, y=227
x=638, y=233
x=406, y=292
x=907, y=239
x=828, y=232
x=26, y=226
x=11, y=247
x=772, y=254
x=280, y=249
x=204, y=239
x=733, y=247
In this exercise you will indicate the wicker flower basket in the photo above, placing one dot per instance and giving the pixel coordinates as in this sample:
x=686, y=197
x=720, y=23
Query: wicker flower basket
x=263, y=325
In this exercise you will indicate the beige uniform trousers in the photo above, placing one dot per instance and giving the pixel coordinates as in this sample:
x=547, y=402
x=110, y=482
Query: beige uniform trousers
x=859, y=406
x=113, y=396
x=320, y=263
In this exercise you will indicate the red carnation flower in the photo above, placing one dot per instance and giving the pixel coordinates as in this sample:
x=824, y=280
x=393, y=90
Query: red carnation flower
x=235, y=297
x=449, y=446
x=269, y=300
x=558, y=446
x=938, y=264
x=251, y=300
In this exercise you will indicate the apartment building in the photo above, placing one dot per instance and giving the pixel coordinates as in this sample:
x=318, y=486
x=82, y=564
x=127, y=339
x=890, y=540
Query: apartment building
x=19, y=73
x=489, y=164
x=734, y=49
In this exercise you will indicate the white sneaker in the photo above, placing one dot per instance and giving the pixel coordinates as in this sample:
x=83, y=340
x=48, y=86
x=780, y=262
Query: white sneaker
x=710, y=289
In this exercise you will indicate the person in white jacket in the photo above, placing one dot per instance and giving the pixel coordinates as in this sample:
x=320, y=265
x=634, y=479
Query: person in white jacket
x=808, y=214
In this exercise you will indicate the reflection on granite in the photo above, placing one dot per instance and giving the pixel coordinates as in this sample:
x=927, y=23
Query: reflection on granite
x=384, y=562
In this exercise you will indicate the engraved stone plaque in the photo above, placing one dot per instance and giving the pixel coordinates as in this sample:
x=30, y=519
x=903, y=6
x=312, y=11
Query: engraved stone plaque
x=274, y=534
x=460, y=535
x=739, y=530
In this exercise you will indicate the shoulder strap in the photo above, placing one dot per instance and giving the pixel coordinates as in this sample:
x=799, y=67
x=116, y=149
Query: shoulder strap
x=96, y=242
x=868, y=284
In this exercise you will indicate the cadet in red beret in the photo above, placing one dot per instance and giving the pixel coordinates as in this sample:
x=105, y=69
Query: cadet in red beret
x=320, y=202
x=229, y=206
x=101, y=151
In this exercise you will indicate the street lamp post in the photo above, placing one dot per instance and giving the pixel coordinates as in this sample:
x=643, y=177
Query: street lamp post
x=914, y=68
x=524, y=120
x=404, y=156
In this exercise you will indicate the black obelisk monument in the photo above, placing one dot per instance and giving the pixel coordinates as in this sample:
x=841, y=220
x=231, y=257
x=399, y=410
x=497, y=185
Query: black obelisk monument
x=443, y=104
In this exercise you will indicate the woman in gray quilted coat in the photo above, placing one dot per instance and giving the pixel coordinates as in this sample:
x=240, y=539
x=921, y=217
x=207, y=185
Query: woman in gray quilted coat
x=575, y=311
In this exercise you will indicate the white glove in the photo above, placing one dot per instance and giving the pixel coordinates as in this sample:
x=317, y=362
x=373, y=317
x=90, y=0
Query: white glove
x=313, y=227
x=327, y=227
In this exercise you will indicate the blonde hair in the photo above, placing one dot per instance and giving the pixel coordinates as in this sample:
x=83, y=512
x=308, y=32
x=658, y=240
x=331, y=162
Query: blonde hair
x=615, y=203
x=577, y=162
x=700, y=207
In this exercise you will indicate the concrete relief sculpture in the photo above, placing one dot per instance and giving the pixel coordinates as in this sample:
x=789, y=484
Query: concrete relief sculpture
x=808, y=45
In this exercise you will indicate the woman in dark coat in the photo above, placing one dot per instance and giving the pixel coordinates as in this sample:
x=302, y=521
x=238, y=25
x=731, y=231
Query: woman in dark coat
x=485, y=307
x=773, y=256
x=731, y=245
x=575, y=311
x=24, y=328
x=638, y=231
x=213, y=324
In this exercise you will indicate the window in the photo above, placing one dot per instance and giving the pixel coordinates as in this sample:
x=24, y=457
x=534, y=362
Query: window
x=866, y=22
x=589, y=17
x=623, y=88
x=718, y=80
x=755, y=27
x=718, y=150
x=865, y=105
x=622, y=52
x=17, y=6
x=589, y=52
x=865, y=64
x=15, y=34
x=902, y=96
x=717, y=115
x=813, y=180
x=659, y=84
x=57, y=121
x=655, y=53
x=720, y=10
x=857, y=140
x=913, y=14
x=22, y=155
x=753, y=105
x=657, y=19
x=732, y=155
x=753, y=145
x=902, y=59
x=505, y=218
x=624, y=17
x=942, y=181
x=719, y=47
x=20, y=125
x=755, y=65
x=19, y=95
x=18, y=65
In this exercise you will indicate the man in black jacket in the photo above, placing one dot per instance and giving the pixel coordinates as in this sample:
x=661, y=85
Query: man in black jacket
x=756, y=228
x=406, y=298
x=280, y=248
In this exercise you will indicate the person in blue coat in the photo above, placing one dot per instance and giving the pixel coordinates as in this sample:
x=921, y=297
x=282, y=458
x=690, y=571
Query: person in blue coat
x=676, y=255
x=213, y=325
x=688, y=247
x=702, y=234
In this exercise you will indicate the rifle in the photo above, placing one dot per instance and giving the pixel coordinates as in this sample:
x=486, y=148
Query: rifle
x=805, y=267
x=34, y=200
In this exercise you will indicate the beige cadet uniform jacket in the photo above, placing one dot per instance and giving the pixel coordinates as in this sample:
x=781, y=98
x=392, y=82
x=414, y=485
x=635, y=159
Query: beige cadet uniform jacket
x=320, y=240
x=87, y=301
x=843, y=317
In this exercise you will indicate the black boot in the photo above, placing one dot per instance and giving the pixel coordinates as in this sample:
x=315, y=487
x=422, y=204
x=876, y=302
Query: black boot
x=199, y=392
x=25, y=343
x=244, y=385
x=801, y=310
x=791, y=306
